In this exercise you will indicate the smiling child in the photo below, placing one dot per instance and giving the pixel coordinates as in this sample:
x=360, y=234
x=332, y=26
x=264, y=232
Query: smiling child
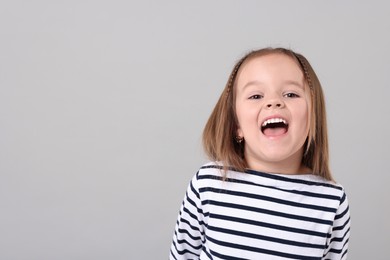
x=268, y=192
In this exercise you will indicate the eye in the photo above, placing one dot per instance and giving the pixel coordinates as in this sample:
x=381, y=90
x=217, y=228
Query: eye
x=256, y=97
x=291, y=95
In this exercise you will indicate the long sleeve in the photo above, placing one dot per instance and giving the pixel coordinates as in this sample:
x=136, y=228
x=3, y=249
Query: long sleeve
x=339, y=235
x=189, y=231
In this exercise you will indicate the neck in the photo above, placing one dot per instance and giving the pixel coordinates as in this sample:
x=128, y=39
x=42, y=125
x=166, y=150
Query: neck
x=280, y=169
x=292, y=165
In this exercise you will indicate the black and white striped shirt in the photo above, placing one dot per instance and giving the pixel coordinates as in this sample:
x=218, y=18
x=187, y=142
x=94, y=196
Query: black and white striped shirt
x=256, y=215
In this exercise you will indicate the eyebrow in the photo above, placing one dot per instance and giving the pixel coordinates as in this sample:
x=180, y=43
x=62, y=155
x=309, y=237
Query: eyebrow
x=287, y=82
x=293, y=82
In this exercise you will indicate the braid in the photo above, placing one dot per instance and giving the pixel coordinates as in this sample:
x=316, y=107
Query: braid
x=234, y=73
x=302, y=62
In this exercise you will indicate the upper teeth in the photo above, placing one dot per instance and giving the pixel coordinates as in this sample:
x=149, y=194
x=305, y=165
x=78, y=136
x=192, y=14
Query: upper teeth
x=274, y=120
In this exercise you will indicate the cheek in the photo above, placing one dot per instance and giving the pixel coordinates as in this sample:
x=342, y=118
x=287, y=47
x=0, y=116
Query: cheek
x=246, y=115
x=305, y=118
x=240, y=113
x=308, y=113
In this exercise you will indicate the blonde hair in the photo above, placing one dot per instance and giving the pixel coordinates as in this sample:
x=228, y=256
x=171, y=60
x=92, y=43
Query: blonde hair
x=219, y=135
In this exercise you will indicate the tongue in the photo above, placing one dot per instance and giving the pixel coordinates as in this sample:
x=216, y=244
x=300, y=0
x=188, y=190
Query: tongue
x=274, y=131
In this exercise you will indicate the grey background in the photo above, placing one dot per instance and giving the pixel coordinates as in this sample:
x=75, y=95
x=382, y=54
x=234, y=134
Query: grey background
x=102, y=105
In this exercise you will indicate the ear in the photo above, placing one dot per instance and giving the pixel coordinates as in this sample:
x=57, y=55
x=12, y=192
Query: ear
x=239, y=132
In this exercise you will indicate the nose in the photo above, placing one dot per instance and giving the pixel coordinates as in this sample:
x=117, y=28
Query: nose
x=274, y=103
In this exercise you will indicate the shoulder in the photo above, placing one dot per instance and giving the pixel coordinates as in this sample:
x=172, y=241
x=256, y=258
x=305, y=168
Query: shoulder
x=324, y=186
x=306, y=183
x=210, y=169
x=208, y=174
x=212, y=165
x=217, y=169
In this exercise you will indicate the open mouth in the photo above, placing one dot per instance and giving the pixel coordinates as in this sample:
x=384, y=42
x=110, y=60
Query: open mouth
x=274, y=127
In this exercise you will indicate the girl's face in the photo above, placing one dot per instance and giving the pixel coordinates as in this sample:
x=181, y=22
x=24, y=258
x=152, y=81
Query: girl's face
x=272, y=107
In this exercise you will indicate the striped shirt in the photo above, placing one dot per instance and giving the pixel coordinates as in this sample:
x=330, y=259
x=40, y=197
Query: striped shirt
x=256, y=215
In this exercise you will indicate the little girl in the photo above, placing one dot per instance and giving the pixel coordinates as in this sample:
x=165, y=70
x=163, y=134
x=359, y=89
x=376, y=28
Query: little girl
x=268, y=192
